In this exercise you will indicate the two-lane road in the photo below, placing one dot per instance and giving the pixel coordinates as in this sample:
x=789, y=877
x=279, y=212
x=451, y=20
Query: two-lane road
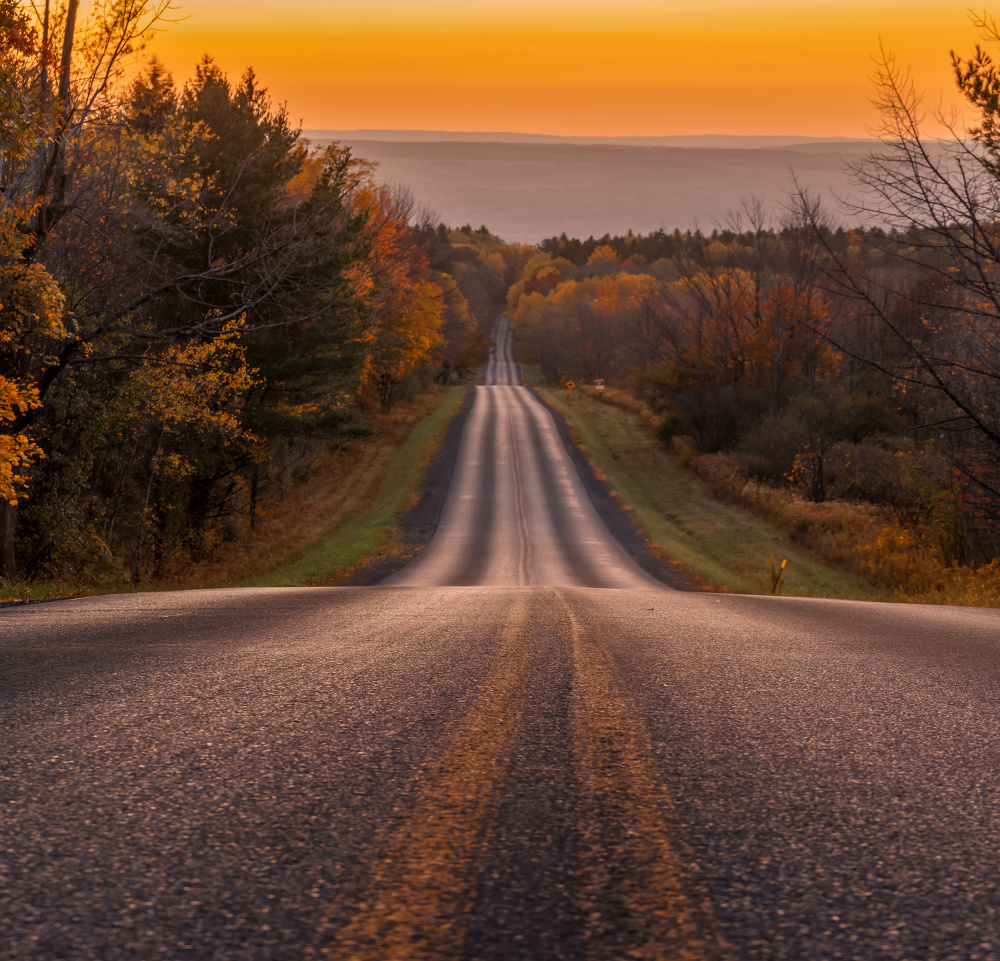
x=519, y=747
x=517, y=514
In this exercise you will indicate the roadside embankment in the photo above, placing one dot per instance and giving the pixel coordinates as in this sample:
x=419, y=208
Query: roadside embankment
x=357, y=506
x=320, y=527
x=724, y=546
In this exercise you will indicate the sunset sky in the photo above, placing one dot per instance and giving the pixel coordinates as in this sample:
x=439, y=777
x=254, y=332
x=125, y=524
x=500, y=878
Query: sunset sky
x=576, y=67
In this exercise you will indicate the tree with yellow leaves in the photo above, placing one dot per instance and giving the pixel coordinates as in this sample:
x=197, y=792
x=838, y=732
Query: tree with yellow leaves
x=206, y=214
x=31, y=321
x=17, y=450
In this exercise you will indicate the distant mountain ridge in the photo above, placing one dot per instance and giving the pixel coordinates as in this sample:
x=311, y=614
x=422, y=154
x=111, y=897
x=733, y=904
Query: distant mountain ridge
x=717, y=141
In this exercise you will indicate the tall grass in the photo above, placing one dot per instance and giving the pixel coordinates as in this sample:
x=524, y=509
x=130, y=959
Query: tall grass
x=720, y=545
x=901, y=561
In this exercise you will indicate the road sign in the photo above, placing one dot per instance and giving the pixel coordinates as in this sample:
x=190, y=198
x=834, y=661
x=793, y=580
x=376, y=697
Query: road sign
x=569, y=386
x=599, y=386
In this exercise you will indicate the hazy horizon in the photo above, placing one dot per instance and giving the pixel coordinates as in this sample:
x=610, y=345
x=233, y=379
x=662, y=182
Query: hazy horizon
x=528, y=191
x=720, y=140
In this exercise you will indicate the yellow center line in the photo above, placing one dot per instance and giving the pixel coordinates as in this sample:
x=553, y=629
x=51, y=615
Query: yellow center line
x=420, y=889
x=632, y=848
x=525, y=575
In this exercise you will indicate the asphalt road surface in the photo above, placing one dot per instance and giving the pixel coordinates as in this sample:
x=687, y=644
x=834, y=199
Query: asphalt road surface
x=519, y=747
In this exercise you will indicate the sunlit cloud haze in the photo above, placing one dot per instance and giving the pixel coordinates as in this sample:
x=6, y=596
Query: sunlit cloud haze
x=631, y=67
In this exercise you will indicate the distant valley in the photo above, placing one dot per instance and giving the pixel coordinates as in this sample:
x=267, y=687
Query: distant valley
x=528, y=187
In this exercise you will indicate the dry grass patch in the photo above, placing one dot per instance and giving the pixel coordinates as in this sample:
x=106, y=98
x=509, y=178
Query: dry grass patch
x=833, y=529
x=322, y=533
x=900, y=562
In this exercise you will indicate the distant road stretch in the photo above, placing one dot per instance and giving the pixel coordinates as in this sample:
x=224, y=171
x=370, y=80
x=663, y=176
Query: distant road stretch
x=520, y=747
x=517, y=513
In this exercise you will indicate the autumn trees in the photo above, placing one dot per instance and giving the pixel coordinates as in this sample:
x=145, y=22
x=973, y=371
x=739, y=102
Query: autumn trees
x=732, y=339
x=175, y=251
x=190, y=296
x=932, y=297
x=699, y=323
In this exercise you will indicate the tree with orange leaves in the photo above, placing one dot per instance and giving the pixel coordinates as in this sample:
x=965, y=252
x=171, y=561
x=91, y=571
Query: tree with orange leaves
x=406, y=309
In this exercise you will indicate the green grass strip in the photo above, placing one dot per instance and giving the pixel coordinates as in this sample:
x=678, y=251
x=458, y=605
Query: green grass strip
x=338, y=552
x=725, y=543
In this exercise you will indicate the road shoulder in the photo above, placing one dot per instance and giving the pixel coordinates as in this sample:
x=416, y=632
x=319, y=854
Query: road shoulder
x=414, y=528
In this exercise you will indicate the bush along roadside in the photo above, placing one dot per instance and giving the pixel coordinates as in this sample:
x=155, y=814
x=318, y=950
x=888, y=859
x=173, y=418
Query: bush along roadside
x=703, y=511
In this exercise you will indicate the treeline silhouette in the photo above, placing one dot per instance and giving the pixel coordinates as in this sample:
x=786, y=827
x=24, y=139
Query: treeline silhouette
x=660, y=245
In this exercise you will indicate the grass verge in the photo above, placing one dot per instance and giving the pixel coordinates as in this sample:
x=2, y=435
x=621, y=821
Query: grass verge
x=364, y=533
x=316, y=530
x=726, y=547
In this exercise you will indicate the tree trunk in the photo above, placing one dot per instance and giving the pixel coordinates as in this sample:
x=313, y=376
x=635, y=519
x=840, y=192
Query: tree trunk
x=254, y=491
x=8, y=519
x=51, y=189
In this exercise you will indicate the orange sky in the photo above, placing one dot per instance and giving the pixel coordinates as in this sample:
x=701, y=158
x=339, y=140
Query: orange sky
x=614, y=68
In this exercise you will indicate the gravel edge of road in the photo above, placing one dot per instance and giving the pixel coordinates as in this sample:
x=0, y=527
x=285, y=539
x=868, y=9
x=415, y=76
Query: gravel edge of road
x=416, y=526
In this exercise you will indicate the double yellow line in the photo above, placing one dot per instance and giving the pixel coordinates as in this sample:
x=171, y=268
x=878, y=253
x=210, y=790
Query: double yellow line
x=420, y=887
x=632, y=844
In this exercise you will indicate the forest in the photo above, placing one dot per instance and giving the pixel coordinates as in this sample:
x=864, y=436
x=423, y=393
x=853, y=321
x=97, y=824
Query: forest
x=191, y=297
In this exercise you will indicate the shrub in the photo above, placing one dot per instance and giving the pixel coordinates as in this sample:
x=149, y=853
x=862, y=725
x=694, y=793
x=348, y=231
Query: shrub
x=899, y=557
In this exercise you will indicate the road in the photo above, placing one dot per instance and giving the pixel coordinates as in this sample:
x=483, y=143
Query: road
x=517, y=513
x=518, y=747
